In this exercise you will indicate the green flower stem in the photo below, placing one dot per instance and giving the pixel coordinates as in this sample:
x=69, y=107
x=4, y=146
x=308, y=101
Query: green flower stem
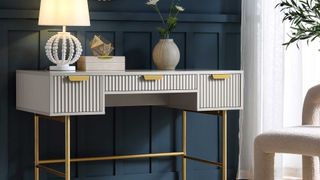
x=171, y=7
x=169, y=24
x=177, y=14
x=158, y=11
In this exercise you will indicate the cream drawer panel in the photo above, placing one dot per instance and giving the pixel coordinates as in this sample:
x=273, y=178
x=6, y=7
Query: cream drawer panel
x=77, y=94
x=138, y=83
x=221, y=91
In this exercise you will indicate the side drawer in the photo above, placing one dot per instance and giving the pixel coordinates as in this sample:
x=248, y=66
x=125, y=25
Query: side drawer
x=218, y=91
x=77, y=95
x=150, y=82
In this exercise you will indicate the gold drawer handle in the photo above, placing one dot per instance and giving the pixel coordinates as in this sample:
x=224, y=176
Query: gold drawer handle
x=78, y=78
x=221, y=76
x=152, y=77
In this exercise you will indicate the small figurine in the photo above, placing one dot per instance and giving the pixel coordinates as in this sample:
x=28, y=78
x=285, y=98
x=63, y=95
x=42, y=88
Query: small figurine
x=101, y=47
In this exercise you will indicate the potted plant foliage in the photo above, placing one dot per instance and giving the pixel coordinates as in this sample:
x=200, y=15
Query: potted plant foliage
x=304, y=19
x=166, y=54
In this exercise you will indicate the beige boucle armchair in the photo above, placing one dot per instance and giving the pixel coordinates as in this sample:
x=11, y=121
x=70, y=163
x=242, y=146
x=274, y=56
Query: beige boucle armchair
x=304, y=140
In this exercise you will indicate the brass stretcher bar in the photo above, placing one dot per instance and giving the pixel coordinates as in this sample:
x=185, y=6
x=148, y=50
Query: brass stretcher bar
x=52, y=171
x=109, y=158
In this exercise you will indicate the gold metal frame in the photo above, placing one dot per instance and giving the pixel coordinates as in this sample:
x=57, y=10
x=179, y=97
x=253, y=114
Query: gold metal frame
x=40, y=164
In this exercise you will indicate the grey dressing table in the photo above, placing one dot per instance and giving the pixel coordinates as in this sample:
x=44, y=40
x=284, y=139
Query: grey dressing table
x=59, y=95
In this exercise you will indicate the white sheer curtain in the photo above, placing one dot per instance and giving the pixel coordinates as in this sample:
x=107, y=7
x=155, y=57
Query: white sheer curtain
x=276, y=80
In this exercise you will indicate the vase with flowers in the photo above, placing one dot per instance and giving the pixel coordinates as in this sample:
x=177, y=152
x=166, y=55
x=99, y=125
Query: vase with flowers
x=166, y=54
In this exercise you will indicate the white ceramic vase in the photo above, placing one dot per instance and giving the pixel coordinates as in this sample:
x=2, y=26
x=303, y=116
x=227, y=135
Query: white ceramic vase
x=166, y=54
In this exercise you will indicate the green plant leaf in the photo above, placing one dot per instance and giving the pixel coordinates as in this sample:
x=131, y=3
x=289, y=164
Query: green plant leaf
x=304, y=19
x=171, y=23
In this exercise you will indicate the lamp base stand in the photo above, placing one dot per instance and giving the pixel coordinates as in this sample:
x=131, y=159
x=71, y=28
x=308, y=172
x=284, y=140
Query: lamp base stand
x=63, y=68
x=63, y=49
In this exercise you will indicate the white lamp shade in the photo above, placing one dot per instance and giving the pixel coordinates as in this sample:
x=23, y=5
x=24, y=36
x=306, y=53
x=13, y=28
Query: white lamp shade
x=64, y=13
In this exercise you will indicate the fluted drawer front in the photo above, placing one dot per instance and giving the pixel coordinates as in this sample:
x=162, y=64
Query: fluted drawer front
x=77, y=94
x=138, y=83
x=220, y=91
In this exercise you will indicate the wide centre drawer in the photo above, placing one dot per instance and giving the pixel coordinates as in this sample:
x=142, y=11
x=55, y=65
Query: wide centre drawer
x=77, y=94
x=150, y=82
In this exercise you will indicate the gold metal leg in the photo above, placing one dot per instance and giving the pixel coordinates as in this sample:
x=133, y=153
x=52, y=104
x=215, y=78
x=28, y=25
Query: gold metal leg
x=224, y=146
x=67, y=147
x=184, y=145
x=36, y=147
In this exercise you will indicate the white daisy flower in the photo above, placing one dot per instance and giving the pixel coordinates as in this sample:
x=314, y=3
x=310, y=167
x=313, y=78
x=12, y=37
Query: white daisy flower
x=152, y=2
x=179, y=8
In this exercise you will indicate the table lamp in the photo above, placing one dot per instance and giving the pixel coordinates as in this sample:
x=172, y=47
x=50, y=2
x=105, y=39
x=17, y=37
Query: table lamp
x=63, y=48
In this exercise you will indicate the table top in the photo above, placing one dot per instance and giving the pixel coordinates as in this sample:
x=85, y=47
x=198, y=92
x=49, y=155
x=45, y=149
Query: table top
x=128, y=72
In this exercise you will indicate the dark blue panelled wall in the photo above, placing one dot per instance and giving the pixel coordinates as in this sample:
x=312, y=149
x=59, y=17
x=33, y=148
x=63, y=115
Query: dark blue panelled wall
x=208, y=36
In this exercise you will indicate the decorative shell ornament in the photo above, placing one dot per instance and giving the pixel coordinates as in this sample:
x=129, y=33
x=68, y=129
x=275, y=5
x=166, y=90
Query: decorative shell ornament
x=101, y=47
